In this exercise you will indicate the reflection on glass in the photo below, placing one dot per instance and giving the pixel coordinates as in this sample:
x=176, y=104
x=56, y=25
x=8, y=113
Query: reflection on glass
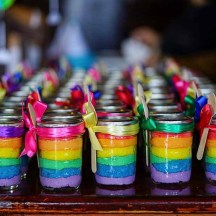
x=178, y=190
x=115, y=190
x=210, y=188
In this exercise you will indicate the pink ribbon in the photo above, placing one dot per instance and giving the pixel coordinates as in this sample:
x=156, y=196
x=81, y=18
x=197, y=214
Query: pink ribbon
x=95, y=74
x=181, y=87
x=61, y=132
x=30, y=137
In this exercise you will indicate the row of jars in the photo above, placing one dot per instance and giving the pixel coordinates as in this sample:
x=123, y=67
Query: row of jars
x=60, y=151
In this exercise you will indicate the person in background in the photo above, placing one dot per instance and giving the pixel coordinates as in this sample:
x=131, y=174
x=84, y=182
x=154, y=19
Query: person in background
x=188, y=35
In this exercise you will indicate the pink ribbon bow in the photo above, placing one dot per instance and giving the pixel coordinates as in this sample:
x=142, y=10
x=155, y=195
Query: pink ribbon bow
x=95, y=74
x=181, y=87
x=30, y=137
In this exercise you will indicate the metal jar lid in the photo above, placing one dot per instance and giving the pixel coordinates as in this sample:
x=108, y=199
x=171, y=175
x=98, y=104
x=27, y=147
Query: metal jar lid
x=173, y=119
x=109, y=97
x=15, y=99
x=162, y=96
x=55, y=122
x=179, y=114
x=11, y=116
x=117, y=121
x=159, y=102
x=115, y=112
x=22, y=93
x=109, y=107
x=12, y=104
x=108, y=102
x=164, y=107
x=11, y=121
x=10, y=110
x=62, y=113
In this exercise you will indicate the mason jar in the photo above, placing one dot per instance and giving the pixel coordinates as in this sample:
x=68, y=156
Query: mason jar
x=116, y=164
x=60, y=152
x=11, y=140
x=171, y=149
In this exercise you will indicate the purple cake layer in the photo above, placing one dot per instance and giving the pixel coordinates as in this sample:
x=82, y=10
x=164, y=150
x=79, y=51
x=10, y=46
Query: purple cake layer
x=114, y=181
x=10, y=182
x=160, y=177
x=210, y=176
x=72, y=181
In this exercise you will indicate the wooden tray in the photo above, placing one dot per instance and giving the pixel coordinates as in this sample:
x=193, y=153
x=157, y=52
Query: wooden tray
x=143, y=197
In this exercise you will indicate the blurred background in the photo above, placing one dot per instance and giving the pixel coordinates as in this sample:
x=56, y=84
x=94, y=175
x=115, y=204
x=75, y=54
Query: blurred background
x=139, y=30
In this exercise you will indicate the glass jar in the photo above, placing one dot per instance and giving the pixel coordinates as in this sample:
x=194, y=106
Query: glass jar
x=171, y=149
x=11, y=140
x=116, y=164
x=60, y=152
x=210, y=154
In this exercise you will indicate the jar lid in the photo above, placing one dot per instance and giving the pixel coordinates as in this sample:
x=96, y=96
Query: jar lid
x=161, y=96
x=62, y=111
x=15, y=99
x=110, y=107
x=117, y=121
x=114, y=110
x=108, y=96
x=166, y=114
x=10, y=110
x=21, y=93
x=55, y=122
x=109, y=102
x=173, y=119
x=12, y=104
x=10, y=121
x=161, y=101
x=164, y=108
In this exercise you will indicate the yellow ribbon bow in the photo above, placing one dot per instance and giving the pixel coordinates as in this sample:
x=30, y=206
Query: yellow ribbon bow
x=90, y=119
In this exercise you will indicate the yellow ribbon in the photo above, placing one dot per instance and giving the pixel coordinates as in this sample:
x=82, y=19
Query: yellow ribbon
x=88, y=80
x=2, y=93
x=191, y=92
x=90, y=120
x=139, y=75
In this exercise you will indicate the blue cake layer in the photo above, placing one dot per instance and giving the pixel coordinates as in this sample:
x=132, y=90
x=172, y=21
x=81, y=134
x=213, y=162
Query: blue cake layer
x=173, y=166
x=210, y=167
x=63, y=173
x=116, y=171
x=7, y=172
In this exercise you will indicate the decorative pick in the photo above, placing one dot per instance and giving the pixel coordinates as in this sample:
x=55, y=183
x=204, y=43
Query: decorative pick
x=32, y=114
x=201, y=148
x=196, y=89
x=146, y=113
